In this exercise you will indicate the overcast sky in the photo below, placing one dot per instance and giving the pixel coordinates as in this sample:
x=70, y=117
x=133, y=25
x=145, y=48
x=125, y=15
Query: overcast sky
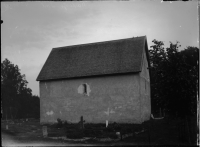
x=31, y=29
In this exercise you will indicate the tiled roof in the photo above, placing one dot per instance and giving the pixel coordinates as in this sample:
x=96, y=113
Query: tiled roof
x=110, y=57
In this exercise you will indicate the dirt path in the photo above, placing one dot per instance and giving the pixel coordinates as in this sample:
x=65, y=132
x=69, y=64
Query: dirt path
x=10, y=139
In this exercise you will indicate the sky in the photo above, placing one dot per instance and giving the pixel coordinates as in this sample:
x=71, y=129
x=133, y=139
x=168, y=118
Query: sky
x=31, y=29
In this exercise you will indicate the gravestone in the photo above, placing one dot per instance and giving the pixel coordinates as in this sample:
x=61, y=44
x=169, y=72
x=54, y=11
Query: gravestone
x=44, y=130
x=118, y=135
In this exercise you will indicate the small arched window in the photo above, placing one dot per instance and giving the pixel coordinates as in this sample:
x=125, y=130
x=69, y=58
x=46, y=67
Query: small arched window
x=84, y=89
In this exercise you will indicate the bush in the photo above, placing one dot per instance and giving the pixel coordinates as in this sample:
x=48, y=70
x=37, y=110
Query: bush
x=74, y=134
x=113, y=136
x=109, y=129
x=65, y=124
x=59, y=124
x=94, y=126
x=89, y=133
x=117, y=127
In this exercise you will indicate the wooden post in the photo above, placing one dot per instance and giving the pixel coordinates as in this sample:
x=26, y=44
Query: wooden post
x=121, y=135
x=188, y=131
x=82, y=122
x=160, y=113
x=106, y=123
x=6, y=116
x=164, y=112
x=148, y=131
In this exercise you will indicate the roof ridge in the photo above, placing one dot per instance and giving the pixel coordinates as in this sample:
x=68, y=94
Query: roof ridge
x=101, y=42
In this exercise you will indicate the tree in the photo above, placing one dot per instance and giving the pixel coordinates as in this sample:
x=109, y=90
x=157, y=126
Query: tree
x=17, y=99
x=157, y=56
x=191, y=56
x=34, y=107
x=11, y=84
x=174, y=78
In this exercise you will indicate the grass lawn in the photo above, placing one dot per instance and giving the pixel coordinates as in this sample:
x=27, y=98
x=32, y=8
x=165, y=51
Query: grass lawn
x=165, y=131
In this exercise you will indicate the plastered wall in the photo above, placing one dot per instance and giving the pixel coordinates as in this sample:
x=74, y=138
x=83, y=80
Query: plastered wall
x=113, y=98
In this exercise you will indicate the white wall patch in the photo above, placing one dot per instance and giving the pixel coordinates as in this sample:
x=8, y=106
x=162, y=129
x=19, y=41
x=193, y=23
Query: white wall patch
x=50, y=113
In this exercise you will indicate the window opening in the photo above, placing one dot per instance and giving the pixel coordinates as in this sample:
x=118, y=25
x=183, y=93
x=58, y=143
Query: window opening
x=84, y=88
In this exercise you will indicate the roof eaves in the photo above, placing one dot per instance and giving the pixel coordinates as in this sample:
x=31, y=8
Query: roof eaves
x=59, y=78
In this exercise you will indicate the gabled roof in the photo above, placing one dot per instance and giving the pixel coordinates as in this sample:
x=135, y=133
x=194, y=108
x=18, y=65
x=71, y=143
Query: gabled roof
x=101, y=58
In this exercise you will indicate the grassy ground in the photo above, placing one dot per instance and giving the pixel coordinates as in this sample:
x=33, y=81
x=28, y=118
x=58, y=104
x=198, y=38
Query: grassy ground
x=165, y=131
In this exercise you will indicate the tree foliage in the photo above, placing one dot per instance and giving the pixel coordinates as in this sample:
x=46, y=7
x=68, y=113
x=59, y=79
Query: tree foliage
x=174, y=76
x=17, y=98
